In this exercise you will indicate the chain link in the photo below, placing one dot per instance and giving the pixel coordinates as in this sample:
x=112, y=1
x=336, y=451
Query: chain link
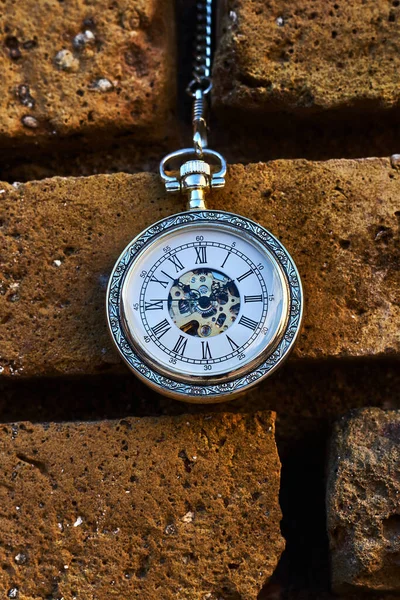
x=197, y=169
x=202, y=51
x=201, y=84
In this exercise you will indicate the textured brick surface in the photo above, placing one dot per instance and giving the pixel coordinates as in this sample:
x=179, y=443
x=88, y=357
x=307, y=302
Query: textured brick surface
x=86, y=67
x=183, y=507
x=363, y=501
x=303, y=56
x=61, y=237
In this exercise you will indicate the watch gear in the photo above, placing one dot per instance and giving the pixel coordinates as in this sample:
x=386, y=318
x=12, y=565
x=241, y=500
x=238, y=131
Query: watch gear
x=203, y=302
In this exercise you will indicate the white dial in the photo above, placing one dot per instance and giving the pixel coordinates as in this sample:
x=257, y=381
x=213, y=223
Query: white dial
x=204, y=301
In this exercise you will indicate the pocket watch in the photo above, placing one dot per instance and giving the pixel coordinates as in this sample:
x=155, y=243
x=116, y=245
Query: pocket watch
x=204, y=304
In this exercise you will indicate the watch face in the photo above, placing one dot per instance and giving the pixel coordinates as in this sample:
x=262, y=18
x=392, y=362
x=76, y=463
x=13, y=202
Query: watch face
x=201, y=301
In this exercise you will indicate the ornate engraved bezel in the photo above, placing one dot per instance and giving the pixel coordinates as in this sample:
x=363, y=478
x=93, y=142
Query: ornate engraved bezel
x=224, y=390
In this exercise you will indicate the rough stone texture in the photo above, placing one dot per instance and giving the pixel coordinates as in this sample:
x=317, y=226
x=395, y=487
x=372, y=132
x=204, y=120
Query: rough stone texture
x=302, y=56
x=363, y=501
x=177, y=507
x=79, y=67
x=61, y=237
x=307, y=404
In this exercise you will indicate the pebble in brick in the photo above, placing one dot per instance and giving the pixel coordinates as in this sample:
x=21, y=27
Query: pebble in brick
x=66, y=61
x=304, y=57
x=60, y=237
x=172, y=507
x=363, y=501
x=54, y=54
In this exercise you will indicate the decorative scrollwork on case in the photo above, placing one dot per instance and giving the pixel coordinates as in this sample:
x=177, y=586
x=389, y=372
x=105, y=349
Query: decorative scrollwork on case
x=241, y=223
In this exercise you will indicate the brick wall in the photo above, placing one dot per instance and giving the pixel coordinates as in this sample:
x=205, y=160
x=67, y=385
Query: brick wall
x=107, y=489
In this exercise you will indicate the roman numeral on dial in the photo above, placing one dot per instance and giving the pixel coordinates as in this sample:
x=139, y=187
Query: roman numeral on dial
x=180, y=346
x=249, y=272
x=205, y=348
x=161, y=328
x=176, y=262
x=201, y=255
x=246, y=322
x=160, y=281
x=253, y=298
x=154, y=305
x=233, y=344
x=226, y=258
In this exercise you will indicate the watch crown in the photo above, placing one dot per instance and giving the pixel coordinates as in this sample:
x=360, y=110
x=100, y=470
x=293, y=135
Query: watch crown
x=198, y=167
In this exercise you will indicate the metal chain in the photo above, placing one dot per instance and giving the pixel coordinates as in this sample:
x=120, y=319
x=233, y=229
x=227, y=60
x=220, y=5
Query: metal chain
x=201, y=84
x=197, y=169
x=202, y=56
